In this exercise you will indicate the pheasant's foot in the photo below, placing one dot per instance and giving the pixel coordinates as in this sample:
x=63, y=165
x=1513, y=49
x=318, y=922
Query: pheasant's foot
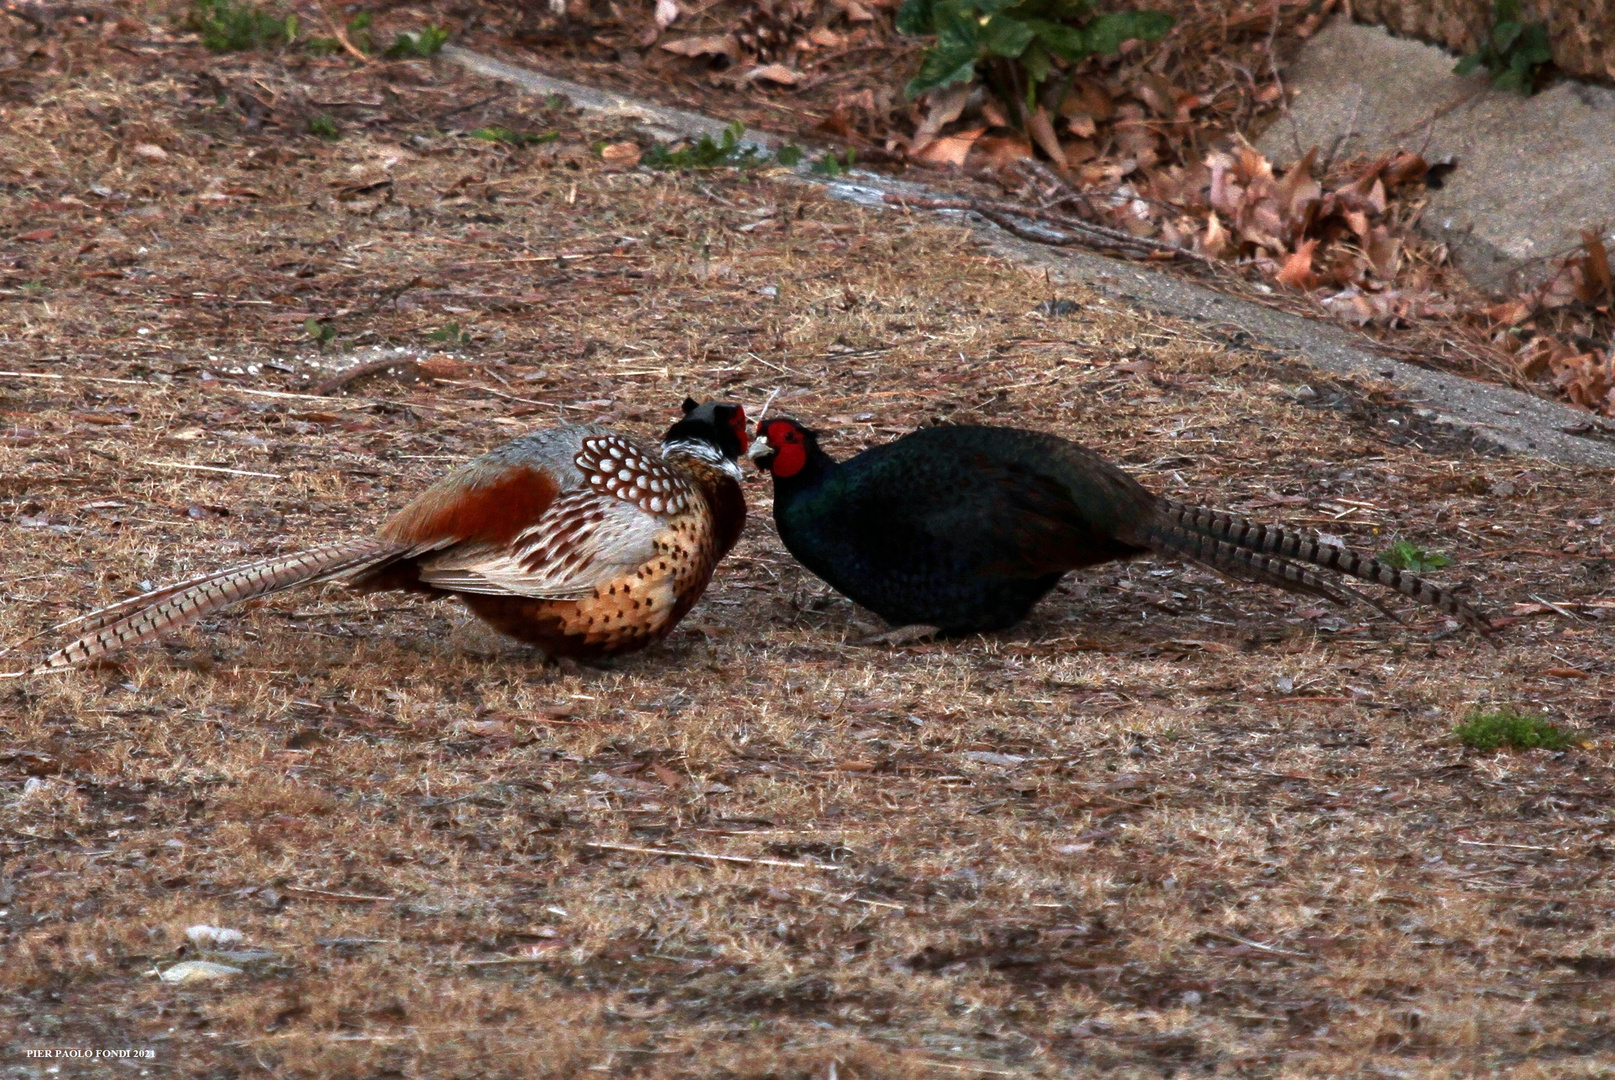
x=903, y=635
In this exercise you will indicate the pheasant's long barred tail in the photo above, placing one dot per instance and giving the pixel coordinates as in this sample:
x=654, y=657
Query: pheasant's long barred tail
x=142, y=618
x=1255, y=566
x=1288, y=544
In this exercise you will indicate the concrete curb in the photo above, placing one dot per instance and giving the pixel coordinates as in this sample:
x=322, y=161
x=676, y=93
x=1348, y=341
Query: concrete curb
x=1489, y=415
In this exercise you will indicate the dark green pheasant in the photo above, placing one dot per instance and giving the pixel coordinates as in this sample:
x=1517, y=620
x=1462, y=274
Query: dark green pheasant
x=964, y=528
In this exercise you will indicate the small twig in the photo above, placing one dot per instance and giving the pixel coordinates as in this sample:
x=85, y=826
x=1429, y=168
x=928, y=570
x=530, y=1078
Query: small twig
x=329, y=895
x=568, y=257
x=76, y=378
x=764, y=410
x=673, y=854
x=1274, y=949
x=971, y=1067
x=1431, y=117
x=713, y=195
x=507, y=397
x=212, y=468
x=1273, y=65
x=1566, y=612
x=341, y=36
x=475, y=104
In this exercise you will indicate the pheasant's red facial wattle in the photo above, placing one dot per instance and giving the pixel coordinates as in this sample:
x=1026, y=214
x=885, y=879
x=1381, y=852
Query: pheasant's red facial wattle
x=737, y=423
x=789, y=446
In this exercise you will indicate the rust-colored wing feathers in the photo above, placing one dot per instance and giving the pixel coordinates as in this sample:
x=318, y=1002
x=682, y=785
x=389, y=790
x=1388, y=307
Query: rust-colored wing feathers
x=485, y=503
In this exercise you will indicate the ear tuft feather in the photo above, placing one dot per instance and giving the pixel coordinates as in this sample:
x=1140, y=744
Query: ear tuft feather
x=690, y=405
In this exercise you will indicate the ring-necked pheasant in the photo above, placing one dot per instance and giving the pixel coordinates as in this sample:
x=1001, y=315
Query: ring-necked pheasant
x=579, y=540
x=964, y=528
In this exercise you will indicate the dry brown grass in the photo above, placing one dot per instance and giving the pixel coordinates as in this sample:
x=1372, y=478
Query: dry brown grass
x=1167, y=826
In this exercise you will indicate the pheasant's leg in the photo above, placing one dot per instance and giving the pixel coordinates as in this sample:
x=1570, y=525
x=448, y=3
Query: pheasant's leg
x=903, y=635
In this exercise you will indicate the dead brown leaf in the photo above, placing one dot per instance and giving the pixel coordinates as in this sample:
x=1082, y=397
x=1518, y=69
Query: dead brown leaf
x=953, y=149
x=1041, y=128
x=998, y=151
x=708, y=45
x=774, y=73
x=1595, y=269
x=943, y=107
x=1296, y=271
x=621, y=153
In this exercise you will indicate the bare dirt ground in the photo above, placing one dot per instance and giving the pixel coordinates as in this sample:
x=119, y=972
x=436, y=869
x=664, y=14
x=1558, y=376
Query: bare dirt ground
x=1170, y=826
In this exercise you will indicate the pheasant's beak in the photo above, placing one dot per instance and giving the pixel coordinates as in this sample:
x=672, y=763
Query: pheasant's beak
x=759, y=449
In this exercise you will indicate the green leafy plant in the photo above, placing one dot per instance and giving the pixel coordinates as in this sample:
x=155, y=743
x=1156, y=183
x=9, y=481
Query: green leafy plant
x=514, y=138
x=723, y=153
x=231, y=26
x=451, y=334
x=1514, y=51
x=322, y=333
x=1404, y=555
x=426, y=43
x=1510, y=727
x=1015, y=45
x=322, y=125
x=833, y=164
x=358, y=31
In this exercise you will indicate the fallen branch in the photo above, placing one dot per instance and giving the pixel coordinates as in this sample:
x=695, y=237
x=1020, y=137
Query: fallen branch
x=1004, y=214
x=359, y=371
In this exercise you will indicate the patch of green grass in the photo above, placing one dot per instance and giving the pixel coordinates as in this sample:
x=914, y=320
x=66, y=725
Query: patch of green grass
x=1511, y=728
x=1403, y=555
x=323, y=126
x=233, y=26
x=514, y=138
x=426, y=43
